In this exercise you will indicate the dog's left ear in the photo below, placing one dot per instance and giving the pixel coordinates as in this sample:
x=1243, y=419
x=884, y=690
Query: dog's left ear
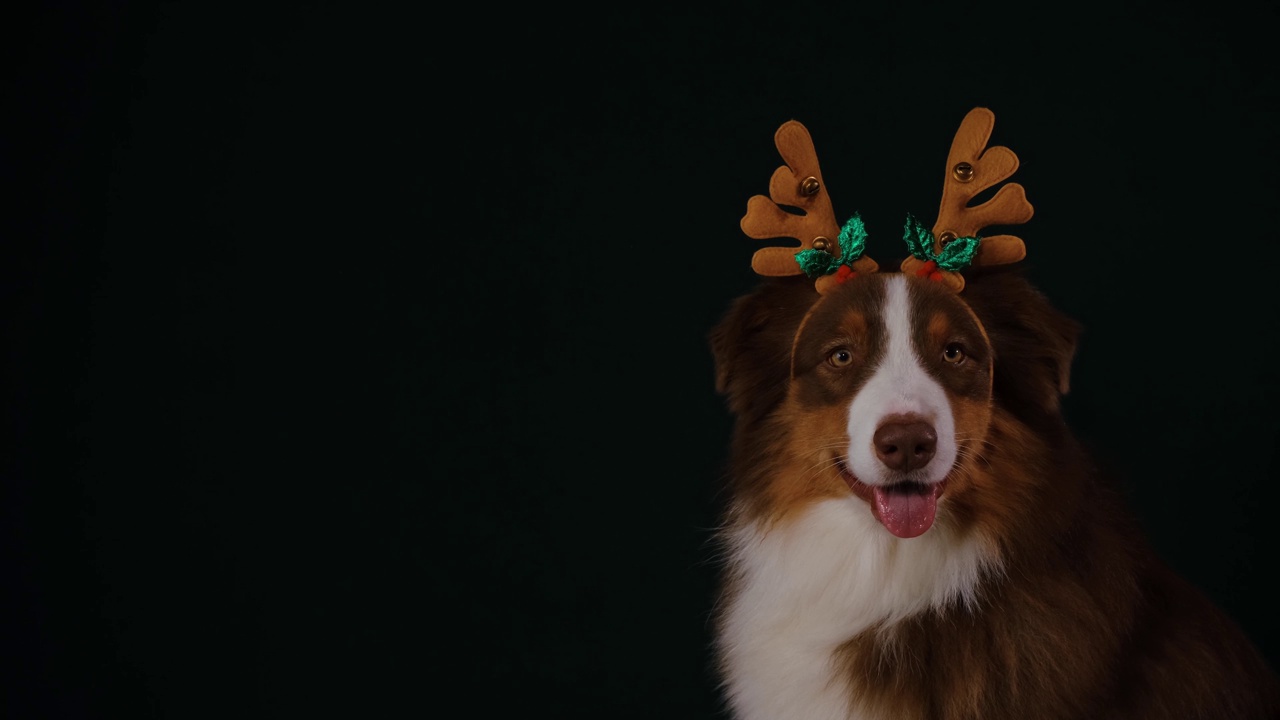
x=1060, y=335
x=1029, y=333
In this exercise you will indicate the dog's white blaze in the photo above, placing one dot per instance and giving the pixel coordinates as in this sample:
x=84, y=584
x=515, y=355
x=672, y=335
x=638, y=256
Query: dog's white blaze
x=812, y=583
x=899, y=386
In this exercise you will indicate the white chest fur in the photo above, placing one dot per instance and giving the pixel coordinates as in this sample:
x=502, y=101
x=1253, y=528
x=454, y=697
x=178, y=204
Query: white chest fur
x=810, y=584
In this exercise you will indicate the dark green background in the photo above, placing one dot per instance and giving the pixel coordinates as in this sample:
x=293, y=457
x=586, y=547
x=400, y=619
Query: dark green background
x=357, y=358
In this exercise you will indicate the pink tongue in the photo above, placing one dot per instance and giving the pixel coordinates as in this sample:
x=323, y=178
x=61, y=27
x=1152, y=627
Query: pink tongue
x=905, y=514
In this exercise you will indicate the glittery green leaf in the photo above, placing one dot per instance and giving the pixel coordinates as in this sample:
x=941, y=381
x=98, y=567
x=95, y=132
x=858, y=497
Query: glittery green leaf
x=955, y=255
x=918, y=239
x=958, y=254
x=853, y=242
x=816, y=263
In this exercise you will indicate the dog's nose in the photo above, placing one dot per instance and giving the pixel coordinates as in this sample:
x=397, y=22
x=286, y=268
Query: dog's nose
x=905, y=445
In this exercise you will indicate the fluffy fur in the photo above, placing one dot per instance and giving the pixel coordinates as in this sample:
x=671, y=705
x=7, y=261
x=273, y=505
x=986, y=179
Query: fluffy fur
x=991, y=574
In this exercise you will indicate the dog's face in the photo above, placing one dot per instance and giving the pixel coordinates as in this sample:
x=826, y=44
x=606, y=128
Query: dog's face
x=893, y=375
x=889, y=391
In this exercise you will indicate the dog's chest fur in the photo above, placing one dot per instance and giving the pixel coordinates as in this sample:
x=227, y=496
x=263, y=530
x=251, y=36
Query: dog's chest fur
x=806, y=586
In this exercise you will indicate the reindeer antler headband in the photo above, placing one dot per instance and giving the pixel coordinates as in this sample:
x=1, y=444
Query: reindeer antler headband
x=940, y=255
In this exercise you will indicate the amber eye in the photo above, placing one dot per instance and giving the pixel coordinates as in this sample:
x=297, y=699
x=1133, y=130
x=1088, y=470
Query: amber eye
x=840, y=357
x=953, y=353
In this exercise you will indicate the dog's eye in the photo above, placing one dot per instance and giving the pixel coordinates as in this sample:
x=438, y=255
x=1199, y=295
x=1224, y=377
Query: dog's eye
x=953, y=353
x=840, y=358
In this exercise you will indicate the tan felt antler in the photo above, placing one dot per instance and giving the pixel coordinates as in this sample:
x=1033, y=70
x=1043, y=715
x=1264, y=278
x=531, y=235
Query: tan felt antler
x=797, y=184
x=969, y=172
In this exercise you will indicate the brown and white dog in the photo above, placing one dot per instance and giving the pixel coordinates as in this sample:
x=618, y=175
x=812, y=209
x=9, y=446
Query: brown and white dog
x=912, y=531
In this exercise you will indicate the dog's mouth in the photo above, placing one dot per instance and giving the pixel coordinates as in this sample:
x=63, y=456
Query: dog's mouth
x=907, y=509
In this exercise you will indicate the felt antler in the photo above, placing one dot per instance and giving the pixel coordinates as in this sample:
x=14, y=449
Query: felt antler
x=955, y=242
x=825, y=247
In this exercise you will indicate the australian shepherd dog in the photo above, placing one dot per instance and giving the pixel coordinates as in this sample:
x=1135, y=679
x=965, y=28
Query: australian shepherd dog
x=912, y=531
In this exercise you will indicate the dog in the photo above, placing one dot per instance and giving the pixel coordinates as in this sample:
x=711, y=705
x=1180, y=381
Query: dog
x=911, y=530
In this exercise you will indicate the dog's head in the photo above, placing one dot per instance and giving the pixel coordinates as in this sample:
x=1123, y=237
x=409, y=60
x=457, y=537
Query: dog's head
x=886, y=385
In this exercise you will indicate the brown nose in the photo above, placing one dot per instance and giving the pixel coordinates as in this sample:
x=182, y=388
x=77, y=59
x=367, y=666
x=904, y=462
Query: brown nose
x=905, y=445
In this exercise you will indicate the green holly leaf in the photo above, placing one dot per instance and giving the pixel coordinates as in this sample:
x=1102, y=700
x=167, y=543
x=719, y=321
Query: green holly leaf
x=959, y=253
x=853, y=240
x=918, y=239
x=816, y=263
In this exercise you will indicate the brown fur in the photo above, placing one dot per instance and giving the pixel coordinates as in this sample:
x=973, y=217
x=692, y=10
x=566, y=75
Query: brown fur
x=1085, y=622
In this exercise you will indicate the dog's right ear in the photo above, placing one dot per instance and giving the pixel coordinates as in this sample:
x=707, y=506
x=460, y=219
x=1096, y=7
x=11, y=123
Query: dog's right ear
x=751, y=344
